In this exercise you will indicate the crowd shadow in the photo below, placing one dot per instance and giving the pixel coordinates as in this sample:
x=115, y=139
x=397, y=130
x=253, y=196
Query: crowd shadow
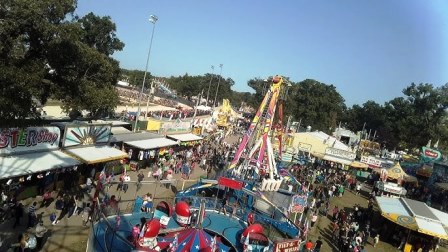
x=327, y=235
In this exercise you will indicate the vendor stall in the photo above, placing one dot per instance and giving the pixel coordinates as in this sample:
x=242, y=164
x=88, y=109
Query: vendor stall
x=415, y=216
x=29, y=157
x=397, y=173
x=89, y=144
x=150, y=144
x=390, y=189
x=340, y=156
x=359, y=165
x=187, y=139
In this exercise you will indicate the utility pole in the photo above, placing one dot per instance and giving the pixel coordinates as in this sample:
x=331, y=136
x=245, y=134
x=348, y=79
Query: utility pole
x=217, y=88
x=209, y=84
x=150, y=94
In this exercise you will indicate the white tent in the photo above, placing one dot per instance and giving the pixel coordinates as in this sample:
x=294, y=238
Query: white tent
x=203, y=107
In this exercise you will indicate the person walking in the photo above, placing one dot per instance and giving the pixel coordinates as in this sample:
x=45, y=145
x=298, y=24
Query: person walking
x=46, y=199
x=71, y=206
x=40, y=232
x=308, y=246
x=358, y=188
x=140, y=178
x=313, y=218
x=18, y=214
x=318, y=244
x=58, y=206
x=376, y=240
x=32, y=217
x=86, y=215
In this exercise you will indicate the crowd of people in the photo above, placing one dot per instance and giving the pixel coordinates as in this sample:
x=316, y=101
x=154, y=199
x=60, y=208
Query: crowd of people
x=352, y=228
x=177, y=114
x=131, y=95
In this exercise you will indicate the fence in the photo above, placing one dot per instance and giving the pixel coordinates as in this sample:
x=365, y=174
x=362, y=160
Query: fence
x=161, y=190
x=165, y=190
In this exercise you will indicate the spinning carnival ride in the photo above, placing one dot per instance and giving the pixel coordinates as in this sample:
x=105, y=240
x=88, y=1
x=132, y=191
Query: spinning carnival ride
x=198, y=220
x=255, y=157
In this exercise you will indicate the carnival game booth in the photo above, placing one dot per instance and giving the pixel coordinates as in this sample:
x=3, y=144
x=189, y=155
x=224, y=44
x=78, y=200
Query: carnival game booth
x=136, y=145
x=30, y=161
x=423, y=224
x=187, y=139
x=359, y=169
x=147, y=151
x=201, y=125
x=89, y=144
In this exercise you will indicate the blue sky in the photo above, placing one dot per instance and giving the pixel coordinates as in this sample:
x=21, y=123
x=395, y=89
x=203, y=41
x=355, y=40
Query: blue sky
x=370, y=50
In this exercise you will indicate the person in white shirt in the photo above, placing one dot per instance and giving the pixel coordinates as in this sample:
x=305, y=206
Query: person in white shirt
x=89, y=183
x=41, y=230
x=358, y=188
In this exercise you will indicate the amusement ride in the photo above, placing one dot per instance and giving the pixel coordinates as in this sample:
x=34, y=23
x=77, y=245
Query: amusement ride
x=198, y=220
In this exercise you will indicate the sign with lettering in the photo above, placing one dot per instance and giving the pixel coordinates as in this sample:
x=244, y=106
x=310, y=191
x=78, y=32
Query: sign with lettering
x=89, y=134
x=298, y=203
x=14, y=141
x=340, y=153
x=177, y=126
x=376, y=162
x=429, y=154
x=287, y=245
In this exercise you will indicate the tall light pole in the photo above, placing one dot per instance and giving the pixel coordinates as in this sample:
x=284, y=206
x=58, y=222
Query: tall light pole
x=209, y=84
x=217, y=88
x=153, y=19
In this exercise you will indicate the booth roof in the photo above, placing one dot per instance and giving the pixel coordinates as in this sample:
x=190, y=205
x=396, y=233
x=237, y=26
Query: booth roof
x=414, y=215
x=337, y=160
x=119, y=130
x=26, y=164
x=185, y=137
x=128, y=137
x=150, y=144
x=97, y=154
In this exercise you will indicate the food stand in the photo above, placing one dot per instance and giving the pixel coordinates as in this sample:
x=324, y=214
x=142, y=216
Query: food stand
x=391, y=189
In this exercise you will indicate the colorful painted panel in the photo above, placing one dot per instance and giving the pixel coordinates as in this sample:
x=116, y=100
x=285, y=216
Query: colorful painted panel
x=298, y=204
x=86, y=135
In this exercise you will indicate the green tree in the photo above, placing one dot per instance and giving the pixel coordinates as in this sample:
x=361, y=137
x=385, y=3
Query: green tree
x=429, y=109
x=317, y=104
x=99, y=33
x=44, y=53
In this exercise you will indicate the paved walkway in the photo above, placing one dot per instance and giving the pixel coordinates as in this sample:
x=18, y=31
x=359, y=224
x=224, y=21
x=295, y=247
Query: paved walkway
x=69, y=235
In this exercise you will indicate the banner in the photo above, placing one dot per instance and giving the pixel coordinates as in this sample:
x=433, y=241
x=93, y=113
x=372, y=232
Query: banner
x=177, y=126
x=340, y=153
x=376, y=162
x=14, y=141
x=76, y=135
x=298, y=203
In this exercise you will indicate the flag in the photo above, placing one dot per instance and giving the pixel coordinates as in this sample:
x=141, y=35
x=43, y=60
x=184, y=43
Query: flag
x=213, y=244
x=174, y=244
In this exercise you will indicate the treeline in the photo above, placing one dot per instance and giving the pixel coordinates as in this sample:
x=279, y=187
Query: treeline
x=404, y=122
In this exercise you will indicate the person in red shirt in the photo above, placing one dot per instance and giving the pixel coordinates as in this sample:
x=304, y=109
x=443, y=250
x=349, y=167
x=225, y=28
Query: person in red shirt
x=308, y=246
